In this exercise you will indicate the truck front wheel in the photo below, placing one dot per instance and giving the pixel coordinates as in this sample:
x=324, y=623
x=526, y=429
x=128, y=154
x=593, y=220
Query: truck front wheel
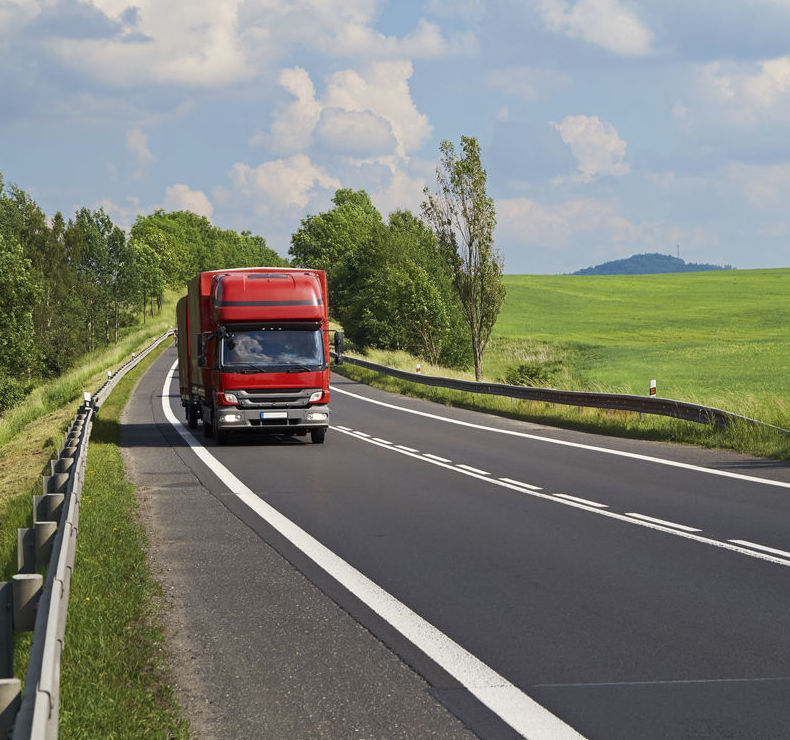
x=192, y=415
x=317, y=436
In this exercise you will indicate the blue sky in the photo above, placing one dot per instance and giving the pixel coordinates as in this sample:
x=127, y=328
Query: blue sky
x=608, y=127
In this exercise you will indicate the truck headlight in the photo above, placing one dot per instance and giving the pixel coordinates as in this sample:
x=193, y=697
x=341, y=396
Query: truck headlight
x=317, y=416
x=232, y=418
x=315, y=397
x=230, y=398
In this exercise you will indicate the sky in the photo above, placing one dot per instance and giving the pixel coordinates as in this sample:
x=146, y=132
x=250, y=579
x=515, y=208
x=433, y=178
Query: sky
x=607, y=127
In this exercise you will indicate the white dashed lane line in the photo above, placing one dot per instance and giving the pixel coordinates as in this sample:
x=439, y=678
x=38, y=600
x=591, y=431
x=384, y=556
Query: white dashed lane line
x=662, y=522
x=578, y=500
x=473, y=470
x=744, y=547
x=437, y=458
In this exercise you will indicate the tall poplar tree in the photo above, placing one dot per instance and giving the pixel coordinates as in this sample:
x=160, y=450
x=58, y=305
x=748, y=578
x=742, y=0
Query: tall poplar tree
x=463, y=217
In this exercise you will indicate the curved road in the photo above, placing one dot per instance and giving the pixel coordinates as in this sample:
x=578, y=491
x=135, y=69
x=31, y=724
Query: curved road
x=511, y=579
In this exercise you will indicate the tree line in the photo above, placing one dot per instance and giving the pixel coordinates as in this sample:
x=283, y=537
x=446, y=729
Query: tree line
x=432, y=287
x=70, y=287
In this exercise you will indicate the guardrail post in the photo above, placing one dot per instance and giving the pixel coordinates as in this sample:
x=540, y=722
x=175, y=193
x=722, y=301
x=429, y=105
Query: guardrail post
x=61, y=465
x=44, y=536
x=26, y=588
x=55, y=483
x=25, y=550
x=48, y=508
x=6, y=631
x=10, y=701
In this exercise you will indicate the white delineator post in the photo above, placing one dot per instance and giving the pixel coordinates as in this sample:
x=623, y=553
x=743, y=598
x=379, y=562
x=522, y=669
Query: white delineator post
x=652, y=387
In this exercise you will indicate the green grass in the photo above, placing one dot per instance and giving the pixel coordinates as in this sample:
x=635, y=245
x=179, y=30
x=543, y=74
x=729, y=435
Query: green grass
x=114, y=678
x=700, y=335
x=30, y=435
x=54, y=394
x=718, y=339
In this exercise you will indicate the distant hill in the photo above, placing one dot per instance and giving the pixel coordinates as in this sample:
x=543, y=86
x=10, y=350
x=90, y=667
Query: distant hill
x=648, y=264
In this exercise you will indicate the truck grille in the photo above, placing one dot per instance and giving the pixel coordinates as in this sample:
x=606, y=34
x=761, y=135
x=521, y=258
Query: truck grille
x=274, y=398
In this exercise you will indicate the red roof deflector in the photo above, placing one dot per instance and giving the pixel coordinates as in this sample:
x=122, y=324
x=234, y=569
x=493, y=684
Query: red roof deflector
x=267, y=297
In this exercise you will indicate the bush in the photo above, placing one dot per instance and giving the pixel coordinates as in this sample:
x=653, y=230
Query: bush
x=531, y=373
x=12, y=392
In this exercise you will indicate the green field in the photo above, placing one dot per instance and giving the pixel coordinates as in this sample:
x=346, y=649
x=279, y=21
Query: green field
x=718, y=338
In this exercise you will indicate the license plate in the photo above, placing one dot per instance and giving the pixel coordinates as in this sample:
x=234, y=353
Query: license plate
x=274, y=414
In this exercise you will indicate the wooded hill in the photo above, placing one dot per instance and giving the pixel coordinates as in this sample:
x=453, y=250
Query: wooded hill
x=648, y=264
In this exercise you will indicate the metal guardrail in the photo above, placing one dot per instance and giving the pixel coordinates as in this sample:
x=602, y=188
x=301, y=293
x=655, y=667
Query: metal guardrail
x=617, y=401
x=37, y=718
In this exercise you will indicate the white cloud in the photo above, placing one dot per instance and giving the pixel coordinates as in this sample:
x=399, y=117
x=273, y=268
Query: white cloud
x=212, y=43
x=357, y=133
x=292, y=128
x=365, y=114
x=281, y=183
x=763, y=87
x=180, y=197
x=383, y=91
x=137, y=144
x=598, y=148
x=195, y=42
x=605, y=23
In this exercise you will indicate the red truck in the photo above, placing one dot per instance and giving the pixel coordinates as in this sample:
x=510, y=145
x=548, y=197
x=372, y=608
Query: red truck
x=253, y=352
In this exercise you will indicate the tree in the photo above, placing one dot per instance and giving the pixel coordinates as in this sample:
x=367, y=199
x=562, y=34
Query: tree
x=395, y=292
x=463, y=217
x=17, y=341
x=324, y=241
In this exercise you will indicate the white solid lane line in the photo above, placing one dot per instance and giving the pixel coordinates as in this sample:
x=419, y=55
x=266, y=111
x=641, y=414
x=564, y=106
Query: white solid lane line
x=515, y=708
x=403, y=447
x=564, y=443
x=662, y=522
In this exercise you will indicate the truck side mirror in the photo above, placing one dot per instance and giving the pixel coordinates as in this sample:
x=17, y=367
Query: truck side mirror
x=339, y=347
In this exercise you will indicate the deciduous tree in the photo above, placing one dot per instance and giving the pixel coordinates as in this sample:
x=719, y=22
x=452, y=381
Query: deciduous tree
x=463, y=217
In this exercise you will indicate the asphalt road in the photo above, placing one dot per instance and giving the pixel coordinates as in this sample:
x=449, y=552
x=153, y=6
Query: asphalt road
x=418, y=576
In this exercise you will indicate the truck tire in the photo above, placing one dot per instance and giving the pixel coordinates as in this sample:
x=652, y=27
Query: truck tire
x=317, y=436
x=192, y=415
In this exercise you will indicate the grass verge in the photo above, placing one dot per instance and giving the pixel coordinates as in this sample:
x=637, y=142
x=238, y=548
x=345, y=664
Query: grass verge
x=54, y=394
x=114, y=675
x=738, y=437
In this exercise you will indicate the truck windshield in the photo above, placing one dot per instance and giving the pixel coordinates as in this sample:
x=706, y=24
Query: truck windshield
x=272, y=350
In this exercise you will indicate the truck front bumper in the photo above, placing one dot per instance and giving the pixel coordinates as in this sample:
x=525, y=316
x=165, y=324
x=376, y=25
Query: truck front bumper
x=279, y=420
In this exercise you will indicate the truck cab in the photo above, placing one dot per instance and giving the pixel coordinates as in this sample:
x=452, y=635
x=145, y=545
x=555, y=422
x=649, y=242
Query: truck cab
x=258, y=352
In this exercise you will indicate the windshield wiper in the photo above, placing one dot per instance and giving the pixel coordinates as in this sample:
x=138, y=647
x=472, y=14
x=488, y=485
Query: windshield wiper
x=247, y=367
x=296, y=367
